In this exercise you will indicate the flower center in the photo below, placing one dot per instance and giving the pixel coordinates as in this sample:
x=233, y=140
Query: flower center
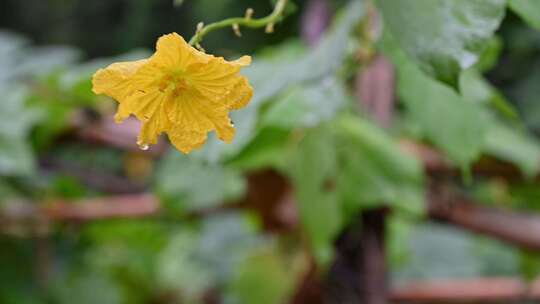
x=176, y=84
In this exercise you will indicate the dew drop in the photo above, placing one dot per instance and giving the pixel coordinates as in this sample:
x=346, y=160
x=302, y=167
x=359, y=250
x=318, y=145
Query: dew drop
x=144, y=147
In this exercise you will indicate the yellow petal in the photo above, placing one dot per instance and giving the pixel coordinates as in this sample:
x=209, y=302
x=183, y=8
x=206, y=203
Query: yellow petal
x=114, y=79
x=172, y=51
x=242, y=61
x=224, y=128
x=142, y=104
x=214, y=72
x=186, y=141
x=147, y=77
x=240, y=95
x=191, y=112
x=220, y=81
x=153, y=127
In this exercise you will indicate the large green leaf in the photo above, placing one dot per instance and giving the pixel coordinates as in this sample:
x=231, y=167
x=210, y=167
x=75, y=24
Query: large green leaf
x=529, y=10
x=345, y=166
x=373, y=170
x=187, y=183
x=505, y=140
x=313, y=172
x=526, y=92
x=271, y=148
x=190, y=264
x=304, y=106
x=435, y=251
x=475, y=88
x=514, y=145
x=83, y=286
x=264, y=277
x=453, y=124
x=443, y=36
x=307, y=106
x=16, y=156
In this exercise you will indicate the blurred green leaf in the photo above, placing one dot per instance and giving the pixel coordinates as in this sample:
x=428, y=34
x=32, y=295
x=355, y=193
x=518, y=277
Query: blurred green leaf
x=529, y=265
x=506, y=141
x=307, y=106
x=196, y=260
x=83, y=287
x=304, y=106
x=179, y=270
x=490, y=57
x=453, y=124
x=527, y=94
x=529, y=10
x=271, y=148
x=313, y=171
x=374, y=171
x=261, y=278
x=443, y=36
x=16, y=156
x=474, y=88
x=514, y=145
x=190, y=184
x=436, y=251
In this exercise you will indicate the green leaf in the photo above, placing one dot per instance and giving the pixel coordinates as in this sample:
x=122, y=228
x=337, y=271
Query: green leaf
x=453, y=124
x=465, y=255
x=474, y=88
x=529, y=265
x=341, y=168
x=373, y=170
x=190, y=184
x=196, y=260
x=443, y=36
x=16, y=156
x=312, y=172
x=490, y=57
x=505, y=141
x=261, y=278
x=178, y=267
x=514, y=145
x=307, y=106
x=529, y=10
x=526, y=92
x=304, y=106
x=83, y=286
x=269, y=149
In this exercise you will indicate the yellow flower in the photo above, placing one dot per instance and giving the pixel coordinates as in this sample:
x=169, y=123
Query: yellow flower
x=178, y=90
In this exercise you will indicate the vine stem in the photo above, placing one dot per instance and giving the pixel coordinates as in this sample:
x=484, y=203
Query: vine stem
x=246, y=21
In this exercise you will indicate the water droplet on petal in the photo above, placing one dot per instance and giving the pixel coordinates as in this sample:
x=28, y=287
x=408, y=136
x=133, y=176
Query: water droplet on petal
x=144, y=147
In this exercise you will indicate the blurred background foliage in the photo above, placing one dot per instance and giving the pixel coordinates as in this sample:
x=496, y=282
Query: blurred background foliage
x=215, y=239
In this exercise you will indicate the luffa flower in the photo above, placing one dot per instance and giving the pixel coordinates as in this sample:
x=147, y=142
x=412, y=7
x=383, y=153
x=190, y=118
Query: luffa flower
x=179, y=91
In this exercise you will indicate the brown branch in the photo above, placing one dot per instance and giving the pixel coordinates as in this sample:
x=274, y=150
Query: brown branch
x=92, y=177
x=436, y=164
x=483, y=290
x=122, y=206
x=518, y=228
x=125, y=206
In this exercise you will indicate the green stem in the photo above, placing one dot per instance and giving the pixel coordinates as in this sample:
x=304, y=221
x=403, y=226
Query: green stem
x=240, y=21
